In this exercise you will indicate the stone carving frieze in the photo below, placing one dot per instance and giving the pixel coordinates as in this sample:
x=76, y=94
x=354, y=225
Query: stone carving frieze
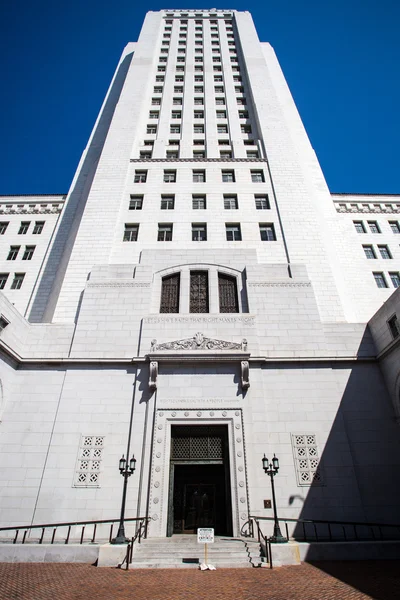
x=199, y=342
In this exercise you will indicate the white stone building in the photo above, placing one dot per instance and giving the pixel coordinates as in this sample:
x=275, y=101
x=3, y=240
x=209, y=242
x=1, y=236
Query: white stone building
x=201, y=299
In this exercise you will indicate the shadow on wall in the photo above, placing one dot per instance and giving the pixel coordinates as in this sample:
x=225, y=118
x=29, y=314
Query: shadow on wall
x=43, y=305
x=360, y=464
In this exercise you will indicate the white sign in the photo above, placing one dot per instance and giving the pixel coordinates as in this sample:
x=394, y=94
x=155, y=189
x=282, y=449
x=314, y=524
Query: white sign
x=205, y=535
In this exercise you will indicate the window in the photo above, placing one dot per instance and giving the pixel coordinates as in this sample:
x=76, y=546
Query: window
x=3, y=227
x=175, y=129
x=220, y=101
x=173, y=142
x=180, y=59
x=360, y=227
x=241, y=101
x=267, y=232
x=178, y=89
x=262, y=202
x=219, y=89
x=230, y=202
x=13, y=252
x=233, y=233
x=198, y=89
x=23, y=228
x=199, y=202
x=145, y=154
x=164, y=232
x=198, y=299
x=172, y=154
x=395, y=278
x=224, y=142
x=380, y=280
x=17, y=281
x=167, y=202
x=252, y=154
x=131, y=232
x=198, y=78
x=243, y=114
x=222, y=128
x=216, y=58
x=154, y=114
x=176, y=114
x=140, y=177
x=198, y=69
x=170, y=293
x=151, y=129
x=221, y=114
x=169, y=176
x=369, y=252
x=237, y=78
x=199, y=101
x=257, y=176
x=177, y=101
x=218, y=78
x=199, y=154
x=161, y=69
x=373, y=227
x=28, y=253
x=385, y=252
x=394, y=226
x=159, y=78
x=198, y=114
x=228, y=176
x=156, y=101
x=228, y=297
x=179, y=78
x=3, y=280
x=199, y=176
x=394, y=326
x=199, y=232
x=136, y=203
x=198, y=128
x=89, y=461
x=225, y=154
x=216, y=68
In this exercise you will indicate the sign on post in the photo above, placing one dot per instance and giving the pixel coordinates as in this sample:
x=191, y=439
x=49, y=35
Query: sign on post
x=205, y=535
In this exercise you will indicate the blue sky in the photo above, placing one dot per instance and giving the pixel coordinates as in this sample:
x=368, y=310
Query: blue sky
x=341, y=59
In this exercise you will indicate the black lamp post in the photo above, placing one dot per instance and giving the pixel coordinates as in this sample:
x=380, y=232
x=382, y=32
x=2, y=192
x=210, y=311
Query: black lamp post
x=126, y=471
x=271, y=469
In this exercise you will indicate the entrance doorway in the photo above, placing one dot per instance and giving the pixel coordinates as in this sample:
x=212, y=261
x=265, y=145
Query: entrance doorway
x=199, y=494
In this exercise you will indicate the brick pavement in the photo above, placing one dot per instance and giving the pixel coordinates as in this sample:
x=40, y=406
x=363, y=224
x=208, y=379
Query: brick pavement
x=379, y=580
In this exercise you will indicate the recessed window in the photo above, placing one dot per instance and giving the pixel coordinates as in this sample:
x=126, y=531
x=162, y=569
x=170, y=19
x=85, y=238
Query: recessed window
x=28, y=253
x=222, y=128
x=227, y=291
x=198, y=69
x=3, y=227
x=173, y=142
x=198, y=298
x=164, y=232
x=23, y=228
x=221, y=114
x=237, y=78
x=262, y=202
x=178, y=89
x=359, y=226
x=151, y=129
x=219, y=89
x=176, y=114
x=199, y=202
x=3, y=280
x=228, y=176
x=17, y=281
x=384, y=252
x=136, y=203
x=198, y=89
x=198, y=128
x=199, y=232
x=172, y=154
x=245, y=128
x=175, y=129
x=218, y=78
x=394, y=326
x=233, y=233
x=169, y=176
x=179, y=78
x=13, y=252
x=180, y=59
x=230, y=202
x=170, y=293
x=159, y=78
x=177, y=101
x=225, y=142
x=167, y=202
x=241, y=101
x=199, y=176
x=369, y=252
x=225, y=154
x=267, y=232
x=198, y=78
x=380, y=280
x=198, y=114
x=243, y=114
x=140, y=177
x=257, y=176
x=373, y=227
x=145, y=154
x=131, y=232
x=161, y=69
x=199, y=154
x=394, y=226
x=199, y=101
x=154, y=114
x=220, y=101
x=156, y=101
x=217, y=68
x=395, y=279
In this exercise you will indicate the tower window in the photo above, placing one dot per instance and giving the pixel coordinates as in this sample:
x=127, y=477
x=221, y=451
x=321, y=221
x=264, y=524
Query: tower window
x=136, y=203
x=3, y=280
x=228, y=176
x=169, y=176
x=199, y=232
x=140, y=177
x=3, y=227
x=369, y=252
x=198, y=302
x=228, y=298
x=394, y=226
x=23, y=228
x=385, y=252
x=199, y=176
x=170, y=294
x=267, y=232
x=13, y=252
x=17, y=281
x=380, y=280
x=360, y=227
x=257, y=176
x=230, y=202
x=233, y=233
x=164, y=232
x=167, y=202
x=374, y=227
x=262, y=202
x=395, y=278
x=29, y=250
x=199, y=202
x=131, y=232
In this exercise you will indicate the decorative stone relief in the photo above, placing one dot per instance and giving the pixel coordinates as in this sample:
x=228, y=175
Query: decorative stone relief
x=244, y=369
x=153, y=371
x=198, y=342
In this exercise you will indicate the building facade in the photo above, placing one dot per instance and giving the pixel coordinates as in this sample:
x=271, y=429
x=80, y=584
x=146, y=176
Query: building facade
x=199, y=298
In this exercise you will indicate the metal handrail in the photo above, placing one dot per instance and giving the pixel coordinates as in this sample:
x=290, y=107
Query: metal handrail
x=267, y=542
x=344, y=525
x=141, y=532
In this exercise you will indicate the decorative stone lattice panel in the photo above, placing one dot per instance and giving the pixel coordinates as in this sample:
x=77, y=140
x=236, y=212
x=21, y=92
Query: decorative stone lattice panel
x=306, y=458
x=90, y=454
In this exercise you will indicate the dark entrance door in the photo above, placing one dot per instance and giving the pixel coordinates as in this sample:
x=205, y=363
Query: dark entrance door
x=199, y=480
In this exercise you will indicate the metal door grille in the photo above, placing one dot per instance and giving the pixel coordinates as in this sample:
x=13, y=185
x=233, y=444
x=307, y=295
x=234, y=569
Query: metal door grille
x=191, y=445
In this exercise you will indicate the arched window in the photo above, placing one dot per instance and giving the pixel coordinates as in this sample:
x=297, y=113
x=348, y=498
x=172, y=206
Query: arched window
x=228, y=298
x=199, y=292
x=170, y=293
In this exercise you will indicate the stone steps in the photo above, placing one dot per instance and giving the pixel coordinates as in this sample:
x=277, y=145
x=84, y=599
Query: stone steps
x=169, y=553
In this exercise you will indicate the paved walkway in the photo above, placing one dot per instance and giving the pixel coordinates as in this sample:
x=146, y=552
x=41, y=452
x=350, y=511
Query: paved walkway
x=379, y=580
